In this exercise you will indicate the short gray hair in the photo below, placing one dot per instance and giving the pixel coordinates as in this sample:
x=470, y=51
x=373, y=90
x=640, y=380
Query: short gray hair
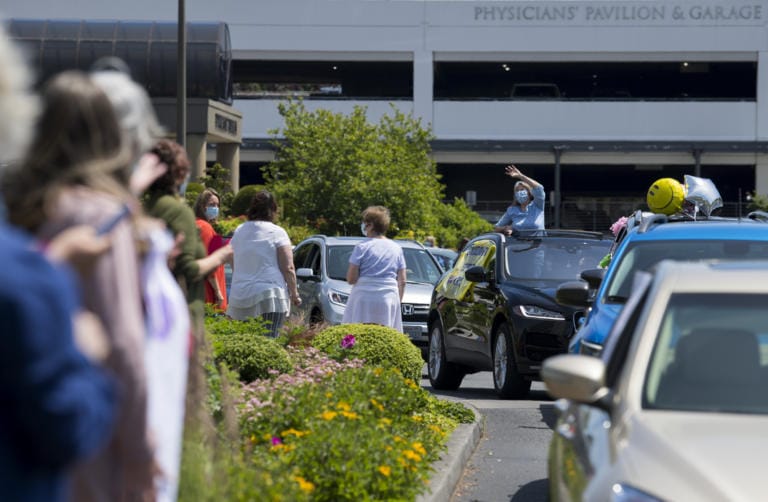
x=133, y=109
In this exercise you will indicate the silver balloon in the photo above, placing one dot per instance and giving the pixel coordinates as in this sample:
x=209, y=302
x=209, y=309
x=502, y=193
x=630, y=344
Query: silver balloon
x=702, y=194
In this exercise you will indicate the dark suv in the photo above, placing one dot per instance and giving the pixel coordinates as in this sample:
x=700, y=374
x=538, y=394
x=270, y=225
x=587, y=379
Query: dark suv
x=321, y=269
x=495, y=309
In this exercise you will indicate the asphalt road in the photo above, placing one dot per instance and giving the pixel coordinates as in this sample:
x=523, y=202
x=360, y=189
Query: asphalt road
x=510, y=462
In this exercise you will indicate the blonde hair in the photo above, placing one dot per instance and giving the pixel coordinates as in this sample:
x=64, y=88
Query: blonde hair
x=378, y=216
x=78, y=142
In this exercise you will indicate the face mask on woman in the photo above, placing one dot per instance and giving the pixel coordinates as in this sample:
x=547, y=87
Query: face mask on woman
x=521, y=196
x=362, y=229
x=211, y=212
x=183, y=187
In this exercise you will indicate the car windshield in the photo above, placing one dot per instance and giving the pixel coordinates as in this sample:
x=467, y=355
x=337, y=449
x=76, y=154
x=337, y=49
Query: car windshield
x=711, y=354
x=560, y=259
x=421, y=267
x=644, y=255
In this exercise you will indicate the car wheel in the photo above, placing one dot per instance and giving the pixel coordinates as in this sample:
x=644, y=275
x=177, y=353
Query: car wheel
x=508, y=382
x=442, y=374
x=315, y=318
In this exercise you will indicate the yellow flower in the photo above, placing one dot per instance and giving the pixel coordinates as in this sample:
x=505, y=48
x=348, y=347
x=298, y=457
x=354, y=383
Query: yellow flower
x=378, y=371
x=411, y=455
x=253, y=438
x=377, y=405
x=304, y=485
x=266, y=436
x=328, y=415
x=419, y=448
x=385, y=421
x=385, y=470
x=410, y=383
x=350, y=415
x=417, y=418
x=294, y=432
x=343, y=406
x=398, y=439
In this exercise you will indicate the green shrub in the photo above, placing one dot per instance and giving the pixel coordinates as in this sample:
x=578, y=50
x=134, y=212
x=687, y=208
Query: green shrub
x=242, y=346
x=242, y=200
x=377, y=345
x=227, y=226
x=193, y=190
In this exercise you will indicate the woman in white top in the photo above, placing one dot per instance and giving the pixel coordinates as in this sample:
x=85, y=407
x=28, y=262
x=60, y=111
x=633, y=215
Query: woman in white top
x=377, y=274
x=263, y=276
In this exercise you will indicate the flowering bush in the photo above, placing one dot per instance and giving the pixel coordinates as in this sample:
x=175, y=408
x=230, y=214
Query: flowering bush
x=349, y=432
x=326, y=429
x=377, y=345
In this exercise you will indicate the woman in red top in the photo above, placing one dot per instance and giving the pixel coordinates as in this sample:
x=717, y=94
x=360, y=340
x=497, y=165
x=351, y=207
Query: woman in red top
x=206, y=211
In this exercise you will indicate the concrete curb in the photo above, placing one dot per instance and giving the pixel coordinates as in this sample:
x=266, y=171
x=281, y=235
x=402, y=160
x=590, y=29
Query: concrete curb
x=449, y=468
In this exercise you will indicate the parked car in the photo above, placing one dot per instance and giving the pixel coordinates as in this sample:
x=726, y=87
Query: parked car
x=676, y=407
x=321, y=270
x=495, y=309
x=444, y=256
x=649, y=239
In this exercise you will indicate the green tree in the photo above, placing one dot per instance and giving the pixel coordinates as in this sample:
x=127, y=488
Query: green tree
x=330, y=167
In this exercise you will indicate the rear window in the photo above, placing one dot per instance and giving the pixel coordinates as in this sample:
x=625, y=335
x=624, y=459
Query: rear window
x=711, y=354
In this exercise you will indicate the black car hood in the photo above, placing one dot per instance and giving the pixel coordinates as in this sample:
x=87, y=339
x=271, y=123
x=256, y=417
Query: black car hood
x=541, y=293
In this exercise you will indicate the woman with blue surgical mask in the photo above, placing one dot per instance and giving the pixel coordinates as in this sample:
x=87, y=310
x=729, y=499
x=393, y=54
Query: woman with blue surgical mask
x=527, y=209
x=206, y=213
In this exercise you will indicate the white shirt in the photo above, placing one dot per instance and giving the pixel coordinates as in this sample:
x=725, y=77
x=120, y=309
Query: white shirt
x=256, y=269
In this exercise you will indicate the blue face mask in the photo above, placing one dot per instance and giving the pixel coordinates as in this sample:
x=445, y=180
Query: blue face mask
x=183, y=187
x=211, y=212
x=362, y=229
x=521, y=196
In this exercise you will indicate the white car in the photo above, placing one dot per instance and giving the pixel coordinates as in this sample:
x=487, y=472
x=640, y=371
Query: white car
x=321, y=269
x=676, y=407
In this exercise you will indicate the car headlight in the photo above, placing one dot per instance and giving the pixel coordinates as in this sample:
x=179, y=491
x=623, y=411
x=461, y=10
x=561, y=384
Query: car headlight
x=538, y=312
x=338, y=297
x=625, y=493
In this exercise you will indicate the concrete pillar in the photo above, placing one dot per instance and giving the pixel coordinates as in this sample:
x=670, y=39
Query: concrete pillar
x=423, y=77
x=196, y=146
x=228, y=155
x=761, y=175
x=762, y=96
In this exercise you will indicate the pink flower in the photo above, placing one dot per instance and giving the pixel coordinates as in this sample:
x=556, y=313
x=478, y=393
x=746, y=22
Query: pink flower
x=618, y=225
x=276, y=441
x=348, y=342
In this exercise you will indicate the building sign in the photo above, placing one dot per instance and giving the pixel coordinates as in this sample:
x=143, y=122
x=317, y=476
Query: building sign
x=225, y=124
x=722, y=13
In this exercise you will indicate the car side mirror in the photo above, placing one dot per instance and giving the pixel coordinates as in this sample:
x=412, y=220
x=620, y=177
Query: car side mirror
x=577, y=377
x=574, y=294
x=594, y=277
x=307, y=275
x=475, y=274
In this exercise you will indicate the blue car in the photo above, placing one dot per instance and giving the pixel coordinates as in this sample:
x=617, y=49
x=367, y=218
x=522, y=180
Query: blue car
x=649, y=239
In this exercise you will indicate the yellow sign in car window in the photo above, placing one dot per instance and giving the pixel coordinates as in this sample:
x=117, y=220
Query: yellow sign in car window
x=455, y=285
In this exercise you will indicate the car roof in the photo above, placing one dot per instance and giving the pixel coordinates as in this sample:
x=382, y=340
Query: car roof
x=705, y=229
x=351, y=240
x=721, y=276
x=549, y=233
x=443, y=251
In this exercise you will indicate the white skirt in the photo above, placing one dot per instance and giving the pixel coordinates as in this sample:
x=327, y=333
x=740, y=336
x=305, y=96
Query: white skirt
x=374, y=300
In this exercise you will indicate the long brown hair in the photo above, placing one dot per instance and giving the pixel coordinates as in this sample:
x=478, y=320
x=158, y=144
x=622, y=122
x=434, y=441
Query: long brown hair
x=77, y=142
